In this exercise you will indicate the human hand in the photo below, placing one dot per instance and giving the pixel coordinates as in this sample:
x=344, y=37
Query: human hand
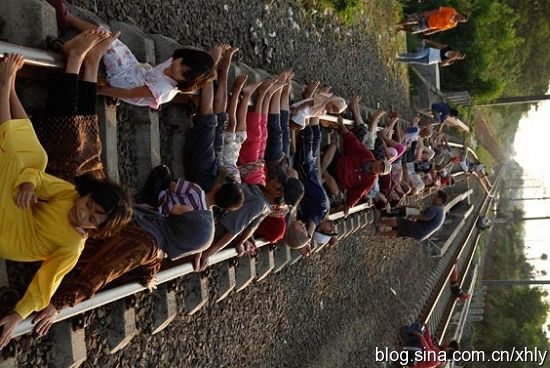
x=250, y=248
x=201, y=262
x=25, y=196
x=45, y=319
x=9, y=322
x=152, y=284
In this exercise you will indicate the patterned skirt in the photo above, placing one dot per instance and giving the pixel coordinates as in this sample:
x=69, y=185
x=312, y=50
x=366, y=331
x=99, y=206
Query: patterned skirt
x=73, y=145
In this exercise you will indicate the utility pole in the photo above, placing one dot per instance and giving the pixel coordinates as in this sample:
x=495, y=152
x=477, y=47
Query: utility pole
x=503, y=101
x=515, y=282
x=530, y=199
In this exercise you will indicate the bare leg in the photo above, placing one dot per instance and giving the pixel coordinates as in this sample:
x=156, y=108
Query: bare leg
x=275, y=103
x=242, y=110
x=285, y=97
x=310, y=89
x=77, y=48
x=373, y=124
x=331, y=184
x=273, y=91
x=80, y=24
x=328, y=157
x=93, y=57
x=17, y=109
x=354, y=107
x=8, y=69
x=263, y=88
x=220, y=98
x=207, y=99
x=233, y=100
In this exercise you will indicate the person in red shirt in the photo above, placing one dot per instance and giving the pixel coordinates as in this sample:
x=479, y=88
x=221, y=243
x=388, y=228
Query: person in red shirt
x=433, y=355
x=353, y=171
x=432, y=21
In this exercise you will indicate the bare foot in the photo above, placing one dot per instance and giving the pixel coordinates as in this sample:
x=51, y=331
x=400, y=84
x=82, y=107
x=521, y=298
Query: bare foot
x=326, y=89
x=277, y=85
x=238, y=84
x=310, y=89
x=79, y=45
x=266, y=85
x=226, y=57
x=354, y=102
x=97, y=51
x=9, y=65
x=250, y=88
x=378, y=114
x=286, y=76
x=217, y=51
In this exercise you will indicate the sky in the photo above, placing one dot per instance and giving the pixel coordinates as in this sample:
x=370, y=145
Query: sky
x=530, y=144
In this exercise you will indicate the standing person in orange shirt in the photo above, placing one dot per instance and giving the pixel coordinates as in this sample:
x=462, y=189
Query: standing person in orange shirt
x=433, y=21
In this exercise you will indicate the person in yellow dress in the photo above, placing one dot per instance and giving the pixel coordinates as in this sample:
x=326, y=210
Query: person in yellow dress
x=43, y=218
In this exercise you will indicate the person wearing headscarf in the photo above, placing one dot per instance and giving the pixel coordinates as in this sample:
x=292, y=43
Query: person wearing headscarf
x=354, y=170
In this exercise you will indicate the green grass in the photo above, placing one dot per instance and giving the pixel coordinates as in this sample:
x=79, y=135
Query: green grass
x=484, y=156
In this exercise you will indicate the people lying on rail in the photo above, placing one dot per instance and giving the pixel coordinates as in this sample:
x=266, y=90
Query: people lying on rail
x=315, y=206
x=44, y=218
x=417, y=338
x=315, y=104
x=183, y=227
x=456, y=290
x=260, y=192
x=432, y=21
x=142, y=84
x=476, y=168
x=421, y=226
x=278, y=161
x=352, y=171
x=443, y=55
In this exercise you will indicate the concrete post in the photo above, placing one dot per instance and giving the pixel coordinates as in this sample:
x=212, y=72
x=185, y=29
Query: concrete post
x=27, y=22
x=282, y=256
x=265, y=262
x=123, y=324
x=226, y=281
x=245, y=273
x=165, y=308
x=195, y=292
x=69, y=350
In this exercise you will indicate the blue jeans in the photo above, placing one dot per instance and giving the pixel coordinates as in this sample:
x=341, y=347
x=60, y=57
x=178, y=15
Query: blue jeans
x=315, y=204
x=278, y=136
x=202, y=147
x=420, y=57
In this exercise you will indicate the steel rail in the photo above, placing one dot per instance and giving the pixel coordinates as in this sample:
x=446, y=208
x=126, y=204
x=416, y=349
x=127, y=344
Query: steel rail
x=444, y=279
x=432, y=307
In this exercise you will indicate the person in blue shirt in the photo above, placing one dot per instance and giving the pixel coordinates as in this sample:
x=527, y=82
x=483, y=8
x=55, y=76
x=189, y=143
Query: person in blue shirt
x=421, y=226
x=441, y=111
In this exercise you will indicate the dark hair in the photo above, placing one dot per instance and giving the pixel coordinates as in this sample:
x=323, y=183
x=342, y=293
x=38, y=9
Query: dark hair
x=453, y=112
x=229, y=197
x=111, y=197
x=158, y=180
x=444, y=197
x=201, y=65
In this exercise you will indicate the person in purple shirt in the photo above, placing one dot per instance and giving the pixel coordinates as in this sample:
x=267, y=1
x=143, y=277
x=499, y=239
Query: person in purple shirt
x=421, y=226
